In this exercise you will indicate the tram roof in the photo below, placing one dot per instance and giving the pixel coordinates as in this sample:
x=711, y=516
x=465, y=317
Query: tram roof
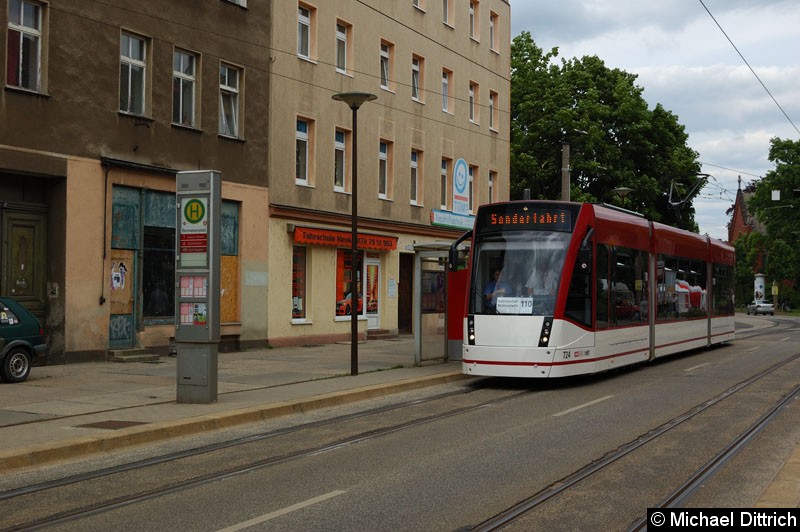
x=621, y=228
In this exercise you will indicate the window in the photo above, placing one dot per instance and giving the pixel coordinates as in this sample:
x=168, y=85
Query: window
x=158, y=277
x=621, y=286
x=416, y=160
x=298, y=283
x=445, y=172
x=474, y=19
x=447, y=11
x=681, y=283
x=387, y=65
x=343, y=45
x=340, y=169
x=724, y=287
x=471, y=188
x=158, y=257
x=304, y=27
x=229, y=299
x=242, y=3
x=494, y=26
x=473, y=102
x=419, y=4
x=417, y=77
x=144, y=224
x=628, y=285
x=384, y=169
x=492, y=182
x=132, y=66
x=494, y=111
x=346, y=285
x=7, y=316
x=184, y=73
x=304, y=138
x=447, y=81
x=23, y=67
x=228, y=101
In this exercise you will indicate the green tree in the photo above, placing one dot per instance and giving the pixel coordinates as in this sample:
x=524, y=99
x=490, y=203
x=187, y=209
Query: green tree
x=615, y=140
x=781, y=262
x=749, y=248
x=780, y=215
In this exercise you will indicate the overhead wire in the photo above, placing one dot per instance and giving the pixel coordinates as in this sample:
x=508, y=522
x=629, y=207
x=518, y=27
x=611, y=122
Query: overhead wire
x=748, y=66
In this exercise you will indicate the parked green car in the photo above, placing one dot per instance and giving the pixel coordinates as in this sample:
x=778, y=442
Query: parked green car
x=21, y=341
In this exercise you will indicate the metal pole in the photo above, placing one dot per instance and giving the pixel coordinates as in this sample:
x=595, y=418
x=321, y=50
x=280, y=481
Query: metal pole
x=354, y=296
x=565, y=171
x=354, y=101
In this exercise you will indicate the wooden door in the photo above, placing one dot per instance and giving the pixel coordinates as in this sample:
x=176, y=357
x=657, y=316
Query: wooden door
x=24, y=259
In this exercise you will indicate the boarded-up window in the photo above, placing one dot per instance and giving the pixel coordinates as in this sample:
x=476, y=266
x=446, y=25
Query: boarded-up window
x=229, y=263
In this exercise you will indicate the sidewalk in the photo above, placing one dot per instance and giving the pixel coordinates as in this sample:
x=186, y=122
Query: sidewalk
x=70, y=411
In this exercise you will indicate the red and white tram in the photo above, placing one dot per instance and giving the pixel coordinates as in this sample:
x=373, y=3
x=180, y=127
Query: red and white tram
x=559, y=288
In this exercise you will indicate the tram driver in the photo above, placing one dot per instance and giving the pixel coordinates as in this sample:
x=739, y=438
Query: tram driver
x=495, y=288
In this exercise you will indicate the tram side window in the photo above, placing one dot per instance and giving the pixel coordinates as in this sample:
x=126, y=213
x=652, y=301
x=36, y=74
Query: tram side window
x=695, y=278
x=602, y=287
x=681, y=288
x=629, y=287
x=723, y=290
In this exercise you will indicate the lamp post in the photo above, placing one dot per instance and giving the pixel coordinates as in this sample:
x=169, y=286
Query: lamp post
x=354, y=101
x=565, y=168
x=622, y=192
x=565, y=177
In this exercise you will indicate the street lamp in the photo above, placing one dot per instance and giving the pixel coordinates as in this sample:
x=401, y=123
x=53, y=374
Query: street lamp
x=354, y=101
x=565, y=168
x=622, y=192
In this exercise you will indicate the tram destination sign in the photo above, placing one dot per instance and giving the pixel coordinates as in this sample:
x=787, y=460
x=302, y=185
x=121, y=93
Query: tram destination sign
x=524, y=217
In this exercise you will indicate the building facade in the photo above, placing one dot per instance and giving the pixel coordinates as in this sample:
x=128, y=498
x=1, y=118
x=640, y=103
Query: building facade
x=440, y=70
x=103, y=103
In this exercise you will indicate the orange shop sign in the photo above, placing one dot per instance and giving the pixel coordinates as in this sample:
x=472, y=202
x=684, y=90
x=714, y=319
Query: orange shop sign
x=341, y=239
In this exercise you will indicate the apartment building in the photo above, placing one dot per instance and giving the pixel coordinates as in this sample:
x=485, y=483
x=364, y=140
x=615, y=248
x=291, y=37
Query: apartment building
x=103, y=102
x=440, y=71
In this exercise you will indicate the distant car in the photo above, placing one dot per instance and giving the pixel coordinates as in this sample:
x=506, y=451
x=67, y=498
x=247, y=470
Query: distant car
x=760, y=307
x=21, y=340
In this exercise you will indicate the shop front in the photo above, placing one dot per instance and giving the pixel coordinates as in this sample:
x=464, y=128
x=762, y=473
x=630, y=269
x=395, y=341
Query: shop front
x=327, y=284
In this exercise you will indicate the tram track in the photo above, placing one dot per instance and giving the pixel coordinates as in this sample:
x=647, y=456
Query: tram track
x=680, y=495
x=14, y=497
x=115, y=501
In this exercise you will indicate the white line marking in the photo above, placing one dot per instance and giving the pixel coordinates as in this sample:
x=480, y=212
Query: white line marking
x=697, y=366
x=784, y=339
x=754, y=348
x=282, y=511
x=590, y=403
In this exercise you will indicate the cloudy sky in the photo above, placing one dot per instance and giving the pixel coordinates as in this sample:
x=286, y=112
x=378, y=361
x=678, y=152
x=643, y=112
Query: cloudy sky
x=685, y=62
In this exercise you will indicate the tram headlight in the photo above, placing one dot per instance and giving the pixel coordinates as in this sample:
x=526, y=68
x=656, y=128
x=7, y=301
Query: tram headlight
x=471, y=330
x=544, y=337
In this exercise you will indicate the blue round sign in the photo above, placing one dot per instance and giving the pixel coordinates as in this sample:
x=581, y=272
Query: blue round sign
x=460, y=177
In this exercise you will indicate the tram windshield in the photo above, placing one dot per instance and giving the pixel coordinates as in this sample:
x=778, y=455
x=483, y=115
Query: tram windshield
x=517, y=272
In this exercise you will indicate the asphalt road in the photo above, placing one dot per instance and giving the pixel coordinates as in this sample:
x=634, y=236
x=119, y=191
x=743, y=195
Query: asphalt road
x=453, y=472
